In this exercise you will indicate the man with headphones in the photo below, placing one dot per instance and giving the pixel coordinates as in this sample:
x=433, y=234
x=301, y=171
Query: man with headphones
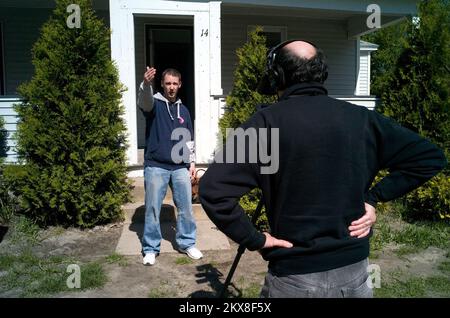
x=329, y=154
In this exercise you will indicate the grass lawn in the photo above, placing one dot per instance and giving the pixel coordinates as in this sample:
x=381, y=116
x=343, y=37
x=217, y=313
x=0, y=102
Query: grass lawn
x=418, y=255
x=414, y=261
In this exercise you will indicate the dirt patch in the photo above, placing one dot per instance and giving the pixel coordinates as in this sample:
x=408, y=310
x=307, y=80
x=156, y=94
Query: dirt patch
x=174, y=275
x=84, y=245
x=423, y=263
x=171, y=278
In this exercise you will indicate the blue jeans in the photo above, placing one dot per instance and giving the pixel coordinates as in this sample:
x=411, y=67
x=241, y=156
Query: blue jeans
x=344, y=282
x=156, y=182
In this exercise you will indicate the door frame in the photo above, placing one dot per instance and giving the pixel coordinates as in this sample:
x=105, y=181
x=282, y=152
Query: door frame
x=207, y=64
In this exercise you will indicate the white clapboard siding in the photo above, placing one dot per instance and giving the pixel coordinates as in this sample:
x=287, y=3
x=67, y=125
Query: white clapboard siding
x=329, y=35
x=10, y=118
x=363, y=76
x=363, y=84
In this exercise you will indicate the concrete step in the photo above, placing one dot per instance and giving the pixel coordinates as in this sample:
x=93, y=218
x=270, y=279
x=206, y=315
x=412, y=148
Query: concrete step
x=208, y=238
x=138, y=191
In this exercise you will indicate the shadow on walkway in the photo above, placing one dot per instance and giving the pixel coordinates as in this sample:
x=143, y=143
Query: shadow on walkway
x=167, y=221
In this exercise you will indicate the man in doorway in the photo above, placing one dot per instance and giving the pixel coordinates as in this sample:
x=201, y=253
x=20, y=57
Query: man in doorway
x=164, y=114
x=329, y=154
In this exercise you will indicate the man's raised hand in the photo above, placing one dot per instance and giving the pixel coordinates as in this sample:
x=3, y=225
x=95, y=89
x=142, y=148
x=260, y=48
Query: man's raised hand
x=149, y=75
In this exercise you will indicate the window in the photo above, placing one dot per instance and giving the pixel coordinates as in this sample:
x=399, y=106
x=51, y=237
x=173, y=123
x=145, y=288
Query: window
x=274, y=34
x=2, y=70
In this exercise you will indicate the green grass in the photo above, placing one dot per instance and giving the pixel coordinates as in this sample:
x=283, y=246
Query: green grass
x=159, y=293
x=25, y=231
x=92, y=276
x=424, y=234
x=445, y=267
x=399, y=286
x=382, y=235
x=116, y=258
x=412, y=237
x=183, y=261
x=30, y=276
x=246, y=288
x=406, y=250
x=251, y=291
x=162, y=291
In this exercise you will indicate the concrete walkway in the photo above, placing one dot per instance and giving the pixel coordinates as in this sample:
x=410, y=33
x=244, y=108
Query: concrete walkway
x=208, y=237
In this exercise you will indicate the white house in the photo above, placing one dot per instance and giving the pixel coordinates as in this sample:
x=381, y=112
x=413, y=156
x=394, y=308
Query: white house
x=199, y=37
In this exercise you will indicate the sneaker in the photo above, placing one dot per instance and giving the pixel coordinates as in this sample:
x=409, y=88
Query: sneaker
x=193, y=252
x=149, y=259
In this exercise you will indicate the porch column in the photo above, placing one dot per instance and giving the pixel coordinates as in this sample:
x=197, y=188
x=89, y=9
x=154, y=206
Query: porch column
x=208, y=80
x=215, y=77
x=122, y=53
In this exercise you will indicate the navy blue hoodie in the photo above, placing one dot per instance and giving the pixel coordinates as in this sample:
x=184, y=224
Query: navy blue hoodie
x=162, y=117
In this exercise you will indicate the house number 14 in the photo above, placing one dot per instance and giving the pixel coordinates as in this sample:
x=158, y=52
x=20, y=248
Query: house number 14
x=204, y=32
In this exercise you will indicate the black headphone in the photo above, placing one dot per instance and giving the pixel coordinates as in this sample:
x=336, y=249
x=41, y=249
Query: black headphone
x=273, y=77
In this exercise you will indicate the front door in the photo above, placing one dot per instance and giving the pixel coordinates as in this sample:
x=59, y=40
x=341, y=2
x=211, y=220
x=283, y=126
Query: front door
x=172, y=47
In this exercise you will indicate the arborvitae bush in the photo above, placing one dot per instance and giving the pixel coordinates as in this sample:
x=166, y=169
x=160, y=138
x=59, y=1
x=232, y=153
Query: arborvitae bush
x=71, y=134
x=242, y=103
x=6, y=209
x=414, y=89
x=3, y=140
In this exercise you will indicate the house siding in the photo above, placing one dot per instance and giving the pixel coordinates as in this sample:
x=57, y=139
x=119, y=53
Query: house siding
x=10, y=118
x=21, y=29
x=330, y=36
x=363, y=76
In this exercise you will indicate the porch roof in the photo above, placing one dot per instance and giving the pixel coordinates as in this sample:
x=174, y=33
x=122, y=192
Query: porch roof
x=352, y=12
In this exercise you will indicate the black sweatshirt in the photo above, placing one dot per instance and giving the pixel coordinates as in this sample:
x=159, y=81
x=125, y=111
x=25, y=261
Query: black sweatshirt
x=329, y=153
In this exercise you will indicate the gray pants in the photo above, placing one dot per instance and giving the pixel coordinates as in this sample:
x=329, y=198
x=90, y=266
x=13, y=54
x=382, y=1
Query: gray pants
x=345, y=282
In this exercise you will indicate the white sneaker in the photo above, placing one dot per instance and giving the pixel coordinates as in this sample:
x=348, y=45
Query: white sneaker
x=193, y=252
x=149, y=259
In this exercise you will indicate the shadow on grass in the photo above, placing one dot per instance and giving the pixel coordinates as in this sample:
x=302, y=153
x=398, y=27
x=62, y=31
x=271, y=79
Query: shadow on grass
x=3, y=231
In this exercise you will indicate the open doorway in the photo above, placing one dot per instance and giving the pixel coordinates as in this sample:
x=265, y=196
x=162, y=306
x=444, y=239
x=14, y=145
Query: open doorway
x=173, y=47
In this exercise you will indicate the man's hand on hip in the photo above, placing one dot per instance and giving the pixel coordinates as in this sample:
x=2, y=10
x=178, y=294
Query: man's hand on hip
x=361, y=227
x=274, y=242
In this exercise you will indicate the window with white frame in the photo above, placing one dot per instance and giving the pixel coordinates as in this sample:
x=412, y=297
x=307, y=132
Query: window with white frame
x=274, y=34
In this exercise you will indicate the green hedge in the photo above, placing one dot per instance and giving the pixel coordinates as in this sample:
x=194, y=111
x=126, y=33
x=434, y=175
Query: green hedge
x=71, y=133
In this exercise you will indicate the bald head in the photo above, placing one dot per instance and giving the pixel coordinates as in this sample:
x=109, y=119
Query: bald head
x=301, y=49
x=299, y=62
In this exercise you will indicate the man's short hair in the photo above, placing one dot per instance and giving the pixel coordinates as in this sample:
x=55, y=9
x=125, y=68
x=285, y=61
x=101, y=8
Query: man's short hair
x=300, y=70
x=171, y=71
